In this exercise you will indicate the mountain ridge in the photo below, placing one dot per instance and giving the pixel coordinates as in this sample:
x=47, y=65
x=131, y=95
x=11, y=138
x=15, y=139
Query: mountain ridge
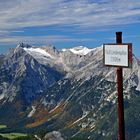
x=52, y=90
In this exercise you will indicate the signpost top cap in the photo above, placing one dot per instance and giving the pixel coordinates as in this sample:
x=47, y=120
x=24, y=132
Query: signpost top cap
x=120, y=33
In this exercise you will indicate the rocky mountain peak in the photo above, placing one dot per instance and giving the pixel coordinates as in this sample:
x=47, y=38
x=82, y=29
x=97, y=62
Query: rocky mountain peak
x=23, y=45
x=51, y=50
x=82, y=50
x=19, y=50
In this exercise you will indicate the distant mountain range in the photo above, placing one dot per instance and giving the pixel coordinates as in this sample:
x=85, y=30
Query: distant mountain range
x=43, y=89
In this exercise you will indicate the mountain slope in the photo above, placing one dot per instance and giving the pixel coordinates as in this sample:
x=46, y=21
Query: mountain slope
x=69, y=90
x=23, y=74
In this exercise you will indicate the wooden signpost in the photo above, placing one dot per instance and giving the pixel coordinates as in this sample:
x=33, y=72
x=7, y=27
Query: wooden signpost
x=119, y=55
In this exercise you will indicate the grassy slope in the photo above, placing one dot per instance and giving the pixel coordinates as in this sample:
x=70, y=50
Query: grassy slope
x=2, y=126
x=13, y=135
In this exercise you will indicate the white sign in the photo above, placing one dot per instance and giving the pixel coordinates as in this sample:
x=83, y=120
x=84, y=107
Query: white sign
x=116, y=55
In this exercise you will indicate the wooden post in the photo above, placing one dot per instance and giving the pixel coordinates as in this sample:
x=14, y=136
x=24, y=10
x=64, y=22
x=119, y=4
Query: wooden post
x=121, y=124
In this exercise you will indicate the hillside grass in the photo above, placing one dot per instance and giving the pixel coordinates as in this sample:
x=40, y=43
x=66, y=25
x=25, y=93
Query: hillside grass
x=2, y=126
x=13, y=135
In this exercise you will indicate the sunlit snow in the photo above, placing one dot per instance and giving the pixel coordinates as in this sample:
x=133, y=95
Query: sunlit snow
x=32, y=112
x=80, y=50
x=37, y=51
x=1, y=96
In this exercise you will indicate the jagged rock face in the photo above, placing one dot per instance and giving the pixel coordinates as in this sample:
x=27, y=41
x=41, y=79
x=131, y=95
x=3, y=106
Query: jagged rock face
x=1, y=59
x=51, y=50
x=21, y=73
x=77, y=61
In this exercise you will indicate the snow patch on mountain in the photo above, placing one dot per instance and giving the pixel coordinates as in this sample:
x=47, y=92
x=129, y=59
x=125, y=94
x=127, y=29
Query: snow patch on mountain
x=112, y=97
x=80, y=50
x=85, y=113
x=37, y=51
x=1, y=96
x=138, y=87
x=32, y=112
x=58, y=105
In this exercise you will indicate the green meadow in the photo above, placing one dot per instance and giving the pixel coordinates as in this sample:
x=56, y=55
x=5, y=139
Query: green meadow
x=13, y=135
x=2, y=126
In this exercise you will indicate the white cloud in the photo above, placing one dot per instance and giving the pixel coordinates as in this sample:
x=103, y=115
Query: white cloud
x=40, y=39
x=82, y=14
x=17, y=14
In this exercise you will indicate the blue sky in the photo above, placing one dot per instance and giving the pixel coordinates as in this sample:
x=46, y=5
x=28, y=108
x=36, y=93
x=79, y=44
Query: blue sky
x=68, y=23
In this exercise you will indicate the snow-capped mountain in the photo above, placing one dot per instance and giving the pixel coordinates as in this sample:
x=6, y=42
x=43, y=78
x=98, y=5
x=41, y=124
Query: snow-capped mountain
x=22, y=73
x=80, y=50
x=69, y=90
